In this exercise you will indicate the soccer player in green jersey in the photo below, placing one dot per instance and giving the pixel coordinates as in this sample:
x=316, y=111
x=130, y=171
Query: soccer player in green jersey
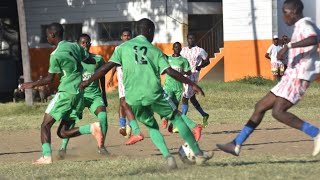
x=94, y=97
x=124, y=109
x=66, y=105
x=174, y=89
x=142, y=63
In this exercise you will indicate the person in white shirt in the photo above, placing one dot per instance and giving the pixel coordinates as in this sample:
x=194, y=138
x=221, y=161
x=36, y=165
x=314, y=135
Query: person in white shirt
x=198, y=59
x=277, y=66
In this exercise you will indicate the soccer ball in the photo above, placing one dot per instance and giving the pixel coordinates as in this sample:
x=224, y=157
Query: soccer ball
x=186, y=154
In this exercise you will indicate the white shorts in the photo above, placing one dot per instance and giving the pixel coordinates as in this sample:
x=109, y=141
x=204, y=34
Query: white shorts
x=120, y=82
x=291, y=88
x=188, y=91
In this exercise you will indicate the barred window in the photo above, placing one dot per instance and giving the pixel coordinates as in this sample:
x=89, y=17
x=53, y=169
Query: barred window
x=111, y=31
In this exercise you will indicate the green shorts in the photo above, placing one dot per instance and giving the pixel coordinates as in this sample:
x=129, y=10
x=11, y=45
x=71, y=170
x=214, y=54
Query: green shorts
x=92, y=102
x=174, y=94
x=66, y=106
x=144, y=114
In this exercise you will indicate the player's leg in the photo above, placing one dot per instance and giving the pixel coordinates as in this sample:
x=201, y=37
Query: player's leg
x=97, y=106
x=134, y=128
x=58, y=107
x=46, y=125
x=64, y=144
x=145, y=116
x=280, y=113
x=184, y=106
x=77, y=115
x=94, y=128
x=163, y=108
x=261, y=108
x=122, y=117
x=204, y=115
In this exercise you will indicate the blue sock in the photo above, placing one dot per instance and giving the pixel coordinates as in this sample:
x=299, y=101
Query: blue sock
x=309, y=129
x=185, y=108
x=196, y=104
x=243, y=135
x=122, y=122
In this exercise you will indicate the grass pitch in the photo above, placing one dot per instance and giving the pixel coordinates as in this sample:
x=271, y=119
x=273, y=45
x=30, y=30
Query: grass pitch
x=227, y=103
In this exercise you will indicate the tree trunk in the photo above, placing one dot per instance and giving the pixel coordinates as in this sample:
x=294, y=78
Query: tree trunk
x=25, y=51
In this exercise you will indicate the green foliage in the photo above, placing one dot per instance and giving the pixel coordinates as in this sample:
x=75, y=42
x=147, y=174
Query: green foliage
x=256, y=80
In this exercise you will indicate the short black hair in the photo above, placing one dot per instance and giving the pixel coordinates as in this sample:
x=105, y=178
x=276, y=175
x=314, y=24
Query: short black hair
x=84, y=35
x=56, y=28
x=177, y=43
x=191, y=34
x=143, y=25
x=295, y=4
x=126, y=30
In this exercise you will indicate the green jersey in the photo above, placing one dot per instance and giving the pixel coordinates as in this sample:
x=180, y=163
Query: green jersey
x=66, y=60
x=88, y=70
x=142, y=63
x=179, y=64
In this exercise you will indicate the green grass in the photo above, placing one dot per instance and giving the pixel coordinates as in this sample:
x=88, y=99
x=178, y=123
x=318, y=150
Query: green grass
x=231, y=102
x=261, y=167
x=227, y=103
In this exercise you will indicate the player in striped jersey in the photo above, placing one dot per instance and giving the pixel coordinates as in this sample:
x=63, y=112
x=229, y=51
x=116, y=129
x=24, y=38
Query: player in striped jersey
x=198, y=59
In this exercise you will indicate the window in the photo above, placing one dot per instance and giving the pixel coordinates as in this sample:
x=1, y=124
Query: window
x=111, y=31
x=71, y=32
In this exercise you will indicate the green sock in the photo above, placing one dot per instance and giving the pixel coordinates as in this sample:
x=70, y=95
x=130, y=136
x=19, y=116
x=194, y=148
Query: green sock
x=65, y=141
x=46, y=149
x=85, y=129
x=185, y=133
x=158, y=140
x=102, y=117
x=188, y=121
x=134, y=126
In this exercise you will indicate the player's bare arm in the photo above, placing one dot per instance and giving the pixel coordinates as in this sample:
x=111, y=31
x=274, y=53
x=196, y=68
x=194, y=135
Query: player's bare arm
x=44, y=81
x=103, y=90
x=110, y=82
x=179, y=77
x=98, y=74
x=205, y=62
x=309, y=41
x=267, y=56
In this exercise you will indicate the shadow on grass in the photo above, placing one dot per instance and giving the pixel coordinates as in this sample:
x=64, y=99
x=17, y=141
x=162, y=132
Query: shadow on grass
x=242, y=163
x=238, y=131
x=21, y=152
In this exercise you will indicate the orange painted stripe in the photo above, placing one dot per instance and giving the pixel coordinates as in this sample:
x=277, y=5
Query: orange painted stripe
x=246, y=58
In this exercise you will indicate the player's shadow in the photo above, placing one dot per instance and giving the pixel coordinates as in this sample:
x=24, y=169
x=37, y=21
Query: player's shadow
x=21, y=152
x=242, y=163
x=238, y=131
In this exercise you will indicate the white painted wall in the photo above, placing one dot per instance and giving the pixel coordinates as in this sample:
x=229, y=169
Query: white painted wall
x=310, y=10
x=247, y=19
x=169, y=20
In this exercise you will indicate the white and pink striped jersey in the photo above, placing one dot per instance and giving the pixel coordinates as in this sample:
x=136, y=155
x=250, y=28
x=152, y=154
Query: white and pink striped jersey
x=195, y=56
x=304, y=61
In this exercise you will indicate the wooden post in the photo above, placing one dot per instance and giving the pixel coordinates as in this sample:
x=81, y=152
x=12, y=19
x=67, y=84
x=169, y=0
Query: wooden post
x=24, y=51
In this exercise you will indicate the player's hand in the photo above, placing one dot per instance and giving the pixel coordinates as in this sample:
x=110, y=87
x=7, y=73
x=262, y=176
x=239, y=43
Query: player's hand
x=83, y=85
x=198, y=68
x=197, y=89
x=282, y=52
x=27, y=85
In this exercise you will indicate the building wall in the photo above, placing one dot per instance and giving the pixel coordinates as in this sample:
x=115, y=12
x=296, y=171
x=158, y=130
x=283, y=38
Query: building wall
x=310, y=10
x=170, y=18
x=248, y=30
